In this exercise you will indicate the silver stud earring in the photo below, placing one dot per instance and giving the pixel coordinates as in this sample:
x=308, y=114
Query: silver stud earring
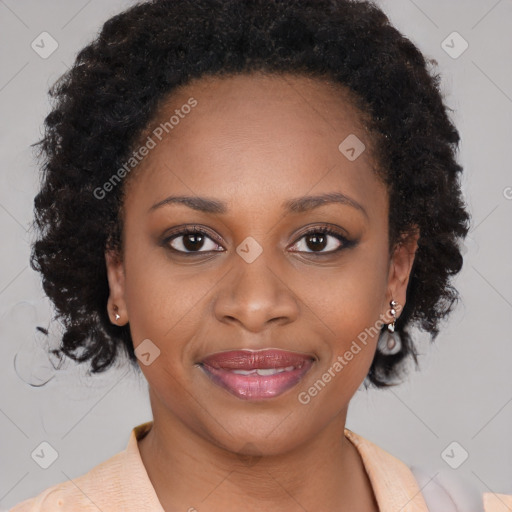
x=116, y=314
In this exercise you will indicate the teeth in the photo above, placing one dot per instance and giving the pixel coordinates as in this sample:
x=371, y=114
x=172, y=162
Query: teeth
x=268, y=371
x=264, y=371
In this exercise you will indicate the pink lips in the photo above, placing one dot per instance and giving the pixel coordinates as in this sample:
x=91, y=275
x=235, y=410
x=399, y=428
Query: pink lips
x=256, y=375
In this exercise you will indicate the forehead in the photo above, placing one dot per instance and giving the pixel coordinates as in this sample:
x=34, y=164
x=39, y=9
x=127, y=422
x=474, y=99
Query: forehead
x=248, y=135
x=247, y=101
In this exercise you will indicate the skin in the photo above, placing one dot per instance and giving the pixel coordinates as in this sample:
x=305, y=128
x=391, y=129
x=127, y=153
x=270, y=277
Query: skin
x=253, y=142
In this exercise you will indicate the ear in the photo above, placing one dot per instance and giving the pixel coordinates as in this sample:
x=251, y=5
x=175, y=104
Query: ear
x=400, y=268
x=115, y=273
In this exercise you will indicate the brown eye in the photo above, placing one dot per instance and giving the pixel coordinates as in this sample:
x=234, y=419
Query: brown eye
x=192, y=241
x=317, y=241
x=322, y=241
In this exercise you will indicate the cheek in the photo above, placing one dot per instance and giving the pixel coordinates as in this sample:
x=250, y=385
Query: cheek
x=168, y=303
x=348, y=307
x=350, y=297
x=155, y=298
x=163, y=303
x=163, y=306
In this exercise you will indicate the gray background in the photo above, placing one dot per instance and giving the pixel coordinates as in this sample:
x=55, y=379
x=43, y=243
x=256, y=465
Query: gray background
x=463, y=392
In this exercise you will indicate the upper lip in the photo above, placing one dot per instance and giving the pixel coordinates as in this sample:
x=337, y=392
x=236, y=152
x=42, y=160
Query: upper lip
x=250, y=360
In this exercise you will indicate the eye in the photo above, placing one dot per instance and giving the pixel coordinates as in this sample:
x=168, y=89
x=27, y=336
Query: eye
x=322, y=240
x=192, y=240
x=317, y=240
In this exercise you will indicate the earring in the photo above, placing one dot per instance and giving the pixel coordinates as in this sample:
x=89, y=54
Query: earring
x=391, y=326
x=389, y=343
x=116, y=314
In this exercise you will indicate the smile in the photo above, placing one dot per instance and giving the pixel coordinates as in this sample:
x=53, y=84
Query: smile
x=258, y=375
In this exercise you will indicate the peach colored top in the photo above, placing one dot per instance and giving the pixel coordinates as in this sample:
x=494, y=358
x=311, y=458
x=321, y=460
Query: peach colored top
x=121, y=484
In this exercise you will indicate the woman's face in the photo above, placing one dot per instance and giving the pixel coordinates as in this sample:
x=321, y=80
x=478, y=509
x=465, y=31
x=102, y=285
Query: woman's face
x=252, y=153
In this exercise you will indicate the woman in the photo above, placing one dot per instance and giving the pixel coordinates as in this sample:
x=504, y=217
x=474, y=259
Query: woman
x=256, y=201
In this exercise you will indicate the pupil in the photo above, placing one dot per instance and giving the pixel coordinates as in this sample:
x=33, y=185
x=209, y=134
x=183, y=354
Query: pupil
x=318, y=238
x=195, y=243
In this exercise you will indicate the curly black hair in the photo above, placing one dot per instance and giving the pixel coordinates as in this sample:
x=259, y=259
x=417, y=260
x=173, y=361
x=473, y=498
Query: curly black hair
x=118, y=82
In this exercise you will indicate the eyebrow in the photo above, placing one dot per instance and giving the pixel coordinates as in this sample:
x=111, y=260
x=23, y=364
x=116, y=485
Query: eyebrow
x=297, y=205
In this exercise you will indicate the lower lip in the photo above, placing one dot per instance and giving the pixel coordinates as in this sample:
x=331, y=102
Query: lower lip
x=257, y=387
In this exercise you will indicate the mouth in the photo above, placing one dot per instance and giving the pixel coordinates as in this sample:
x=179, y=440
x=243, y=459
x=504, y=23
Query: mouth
x=257, y=375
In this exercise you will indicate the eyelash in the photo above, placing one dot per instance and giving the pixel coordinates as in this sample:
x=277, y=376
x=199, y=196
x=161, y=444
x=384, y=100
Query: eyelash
x=324, y=230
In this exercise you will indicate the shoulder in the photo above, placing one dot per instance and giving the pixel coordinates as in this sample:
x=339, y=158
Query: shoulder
x=441, y=490
x=497, y=502
x=83, y=493
x=445, y=491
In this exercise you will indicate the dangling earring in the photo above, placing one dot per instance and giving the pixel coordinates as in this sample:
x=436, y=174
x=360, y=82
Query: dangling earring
x=391, y=326
x=389, y=341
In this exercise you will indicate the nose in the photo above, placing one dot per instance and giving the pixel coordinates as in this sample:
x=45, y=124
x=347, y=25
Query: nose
x=256, y=294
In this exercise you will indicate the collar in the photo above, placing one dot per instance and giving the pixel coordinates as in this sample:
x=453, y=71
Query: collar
x=393, y=483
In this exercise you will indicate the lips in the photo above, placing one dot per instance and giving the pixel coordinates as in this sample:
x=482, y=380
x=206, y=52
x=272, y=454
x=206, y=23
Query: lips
x=256, y=375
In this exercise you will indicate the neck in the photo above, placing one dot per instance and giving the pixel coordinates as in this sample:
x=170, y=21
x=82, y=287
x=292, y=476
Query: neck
x=189, y=471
